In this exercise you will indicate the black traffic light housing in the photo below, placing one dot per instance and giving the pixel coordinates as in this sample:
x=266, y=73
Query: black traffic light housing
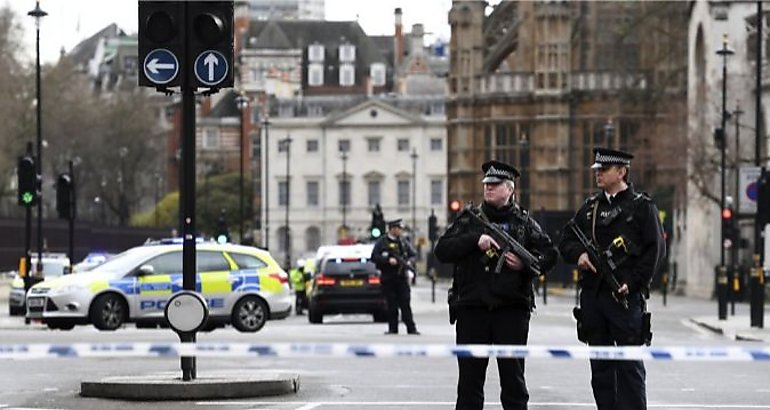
x=222, y=233
x=729, y=226
x=211, y=26
x=377, y=227
x=65, y=196
x=161, y=26
x=28, y=182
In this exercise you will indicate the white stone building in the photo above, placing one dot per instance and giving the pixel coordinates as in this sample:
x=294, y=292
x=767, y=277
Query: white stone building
x=342, y=165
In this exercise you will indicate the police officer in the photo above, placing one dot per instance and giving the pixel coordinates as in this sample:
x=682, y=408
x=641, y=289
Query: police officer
x=617, y=211
x=393, y=255
x=297, y=276
x=489, y=307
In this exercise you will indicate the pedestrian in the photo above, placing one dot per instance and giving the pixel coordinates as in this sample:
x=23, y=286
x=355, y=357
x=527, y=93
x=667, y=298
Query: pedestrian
x=297, y=277
x=393, y=257
x=490, y=307
x=616, y=215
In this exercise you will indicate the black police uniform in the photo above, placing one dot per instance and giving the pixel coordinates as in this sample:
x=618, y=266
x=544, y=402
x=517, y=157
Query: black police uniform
x=634, y=217
x=492, y=308
x=395, y=279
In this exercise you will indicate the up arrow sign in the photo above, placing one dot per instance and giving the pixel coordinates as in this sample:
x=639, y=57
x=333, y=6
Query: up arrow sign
x=211, y=61
x=211, y=67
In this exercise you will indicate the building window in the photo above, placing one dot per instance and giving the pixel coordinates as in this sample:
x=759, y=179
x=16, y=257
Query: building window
x=311, y=189
x=312, y=145
x=315, y=53
x=403, y=192
x=436, y=144
x=343, y=145
x=283, y=193
x=312, y=239
x=377, y=72
x=210, y=138
x=436, y=192
x=282, y=146
x=347, y=53
x=373, y=192
x=347, y=75
x=315, y=74
x=373, y=144
x=402, y=144
x=344, y=198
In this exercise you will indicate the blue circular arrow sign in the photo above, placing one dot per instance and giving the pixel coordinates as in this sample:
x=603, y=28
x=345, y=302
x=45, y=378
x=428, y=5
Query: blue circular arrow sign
x=161, y=66
x=211, y=67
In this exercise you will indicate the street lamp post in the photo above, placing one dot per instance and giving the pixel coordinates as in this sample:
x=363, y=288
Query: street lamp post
x=243, y=104
x=722, y=281
x=345, y=191
x=286, y=235
x=414, y=157
x=122, y=205
x=266, y=179
x=38, y=15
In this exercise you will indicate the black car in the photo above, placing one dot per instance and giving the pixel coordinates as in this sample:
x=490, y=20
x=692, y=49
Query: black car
x=346, y=285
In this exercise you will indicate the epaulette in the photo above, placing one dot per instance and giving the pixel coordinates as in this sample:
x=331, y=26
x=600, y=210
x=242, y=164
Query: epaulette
x=593, y=198
x=642, y=195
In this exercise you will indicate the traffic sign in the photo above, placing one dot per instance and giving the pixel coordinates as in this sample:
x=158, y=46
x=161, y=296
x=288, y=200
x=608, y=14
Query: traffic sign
x=211, y=67
x=161, y=66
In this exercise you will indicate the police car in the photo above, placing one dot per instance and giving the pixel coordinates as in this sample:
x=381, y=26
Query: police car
x=244, y=286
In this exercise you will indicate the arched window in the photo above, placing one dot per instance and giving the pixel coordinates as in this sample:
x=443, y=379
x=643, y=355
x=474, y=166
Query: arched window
x=312, y=238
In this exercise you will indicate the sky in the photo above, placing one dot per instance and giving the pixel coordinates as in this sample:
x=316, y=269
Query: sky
x=71, y=21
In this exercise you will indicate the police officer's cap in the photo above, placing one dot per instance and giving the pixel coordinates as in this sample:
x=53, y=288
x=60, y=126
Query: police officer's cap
x=496, y=172
x=395, y=223
x=604, y=157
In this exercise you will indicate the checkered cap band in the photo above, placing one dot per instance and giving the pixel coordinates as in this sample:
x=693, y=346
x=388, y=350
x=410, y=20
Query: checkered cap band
x=611, y=159
x=499, y=173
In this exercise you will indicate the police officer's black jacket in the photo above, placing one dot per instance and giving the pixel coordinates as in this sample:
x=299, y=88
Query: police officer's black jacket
x=631, y=214
x=386, y=247
x=475, y=282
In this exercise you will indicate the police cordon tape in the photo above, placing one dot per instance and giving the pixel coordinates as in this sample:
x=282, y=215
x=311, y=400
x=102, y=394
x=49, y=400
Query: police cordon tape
x=296, y=350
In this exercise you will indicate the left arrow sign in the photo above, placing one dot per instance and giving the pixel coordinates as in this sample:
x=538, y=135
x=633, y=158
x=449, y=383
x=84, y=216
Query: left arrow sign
x=161, y=66
x=154, y=66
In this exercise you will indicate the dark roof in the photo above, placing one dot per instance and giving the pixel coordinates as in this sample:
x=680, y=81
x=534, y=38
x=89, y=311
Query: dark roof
x=82, y=53
x=385, y=45
x=226, y=107
x=282, y=34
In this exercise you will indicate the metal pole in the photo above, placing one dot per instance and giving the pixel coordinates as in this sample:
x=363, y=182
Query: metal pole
x=242, y=104
x=722, y=280
x=286, y=236
x=73, y=204
x=757, y=305
x=414, y=195
x=266, y=178
x=38, y=14
x=27, y=242
x=345, y=191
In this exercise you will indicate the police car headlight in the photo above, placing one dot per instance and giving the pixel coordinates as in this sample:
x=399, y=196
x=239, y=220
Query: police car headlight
x=69, y=289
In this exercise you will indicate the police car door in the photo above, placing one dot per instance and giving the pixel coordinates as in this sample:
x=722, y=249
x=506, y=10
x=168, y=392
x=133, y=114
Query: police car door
x=214, y=280
x=154, y=289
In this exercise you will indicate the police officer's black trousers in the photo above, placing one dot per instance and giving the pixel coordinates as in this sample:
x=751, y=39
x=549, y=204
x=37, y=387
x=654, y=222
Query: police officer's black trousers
x=398, y=296
x=507, y=325
x=617, y=385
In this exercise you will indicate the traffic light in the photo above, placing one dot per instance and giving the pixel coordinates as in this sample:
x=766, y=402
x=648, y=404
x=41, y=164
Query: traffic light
x=28, y=181
x=210, y=44
x=763, y=199
x=161, y=43
x=454, y=209
x=377, y=228
x=729, y=228
x=65, y=196
x=222, y=233
x=719, y=137
x=432, y=227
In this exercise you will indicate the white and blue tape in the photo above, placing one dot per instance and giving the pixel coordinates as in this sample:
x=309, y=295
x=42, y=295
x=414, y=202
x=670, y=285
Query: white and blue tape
x=295, y=350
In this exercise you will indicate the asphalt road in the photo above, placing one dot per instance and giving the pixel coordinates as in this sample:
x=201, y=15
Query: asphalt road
x=390, y=383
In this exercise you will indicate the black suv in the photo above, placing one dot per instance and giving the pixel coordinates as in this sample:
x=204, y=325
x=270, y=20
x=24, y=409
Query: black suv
x=346, y=285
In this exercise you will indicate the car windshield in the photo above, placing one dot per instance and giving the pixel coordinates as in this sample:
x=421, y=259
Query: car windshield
x=126, y=261
x=336, y=266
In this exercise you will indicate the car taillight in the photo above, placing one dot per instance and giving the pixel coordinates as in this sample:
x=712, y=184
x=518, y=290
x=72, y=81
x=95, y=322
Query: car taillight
x=374, y=280
x=322, y=280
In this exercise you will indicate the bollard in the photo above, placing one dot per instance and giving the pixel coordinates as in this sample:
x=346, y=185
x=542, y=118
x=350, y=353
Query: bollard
x=664, y=290
x=757, y=294
x=544, y=286
x=577, y=290
x=722, y=282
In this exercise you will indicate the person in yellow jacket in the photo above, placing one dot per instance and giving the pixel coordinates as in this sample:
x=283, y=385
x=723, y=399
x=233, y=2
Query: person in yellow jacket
x=297, y=277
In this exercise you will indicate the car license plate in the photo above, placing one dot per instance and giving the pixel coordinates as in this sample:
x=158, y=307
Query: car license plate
x=36, y=302
x=352, y=282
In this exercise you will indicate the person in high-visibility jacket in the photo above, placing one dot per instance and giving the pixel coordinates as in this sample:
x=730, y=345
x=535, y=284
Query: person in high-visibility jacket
x=297, y=276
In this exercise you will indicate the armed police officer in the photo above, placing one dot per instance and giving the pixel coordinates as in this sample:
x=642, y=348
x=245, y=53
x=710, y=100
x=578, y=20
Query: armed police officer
x=623, y=225
x=491, y=296
x=393, y=255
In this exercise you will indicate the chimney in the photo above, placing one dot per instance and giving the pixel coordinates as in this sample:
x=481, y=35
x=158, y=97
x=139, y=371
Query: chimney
x=416, y=43
x=398, y=41
x=241, y=26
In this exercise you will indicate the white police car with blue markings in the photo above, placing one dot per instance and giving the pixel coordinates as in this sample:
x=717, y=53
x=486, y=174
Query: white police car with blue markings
x=244, y=286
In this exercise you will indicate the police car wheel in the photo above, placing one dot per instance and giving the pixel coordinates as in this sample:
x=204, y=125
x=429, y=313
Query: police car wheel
x=108, y=312
x=249, y=314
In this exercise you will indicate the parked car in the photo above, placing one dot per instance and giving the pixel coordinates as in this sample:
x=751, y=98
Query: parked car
x=346, y=281
x=54, y=266
x=243, y=286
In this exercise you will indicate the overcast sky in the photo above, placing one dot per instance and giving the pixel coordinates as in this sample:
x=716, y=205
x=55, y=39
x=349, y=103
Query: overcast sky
x=70, y=21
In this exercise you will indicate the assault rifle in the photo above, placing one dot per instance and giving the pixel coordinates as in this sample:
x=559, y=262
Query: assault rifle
x=507, y=244
x=603, y=262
